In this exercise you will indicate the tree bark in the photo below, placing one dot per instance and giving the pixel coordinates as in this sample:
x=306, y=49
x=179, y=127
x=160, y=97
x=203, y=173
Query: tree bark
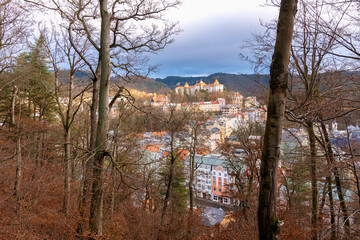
x=18, y=156
x=338, y=183
x=192, y=172
x=88, y=165
x=96, y=205
x=332, y=212
x=67, y=172
x=168, y=190
x=313, y=173
x=268, y=223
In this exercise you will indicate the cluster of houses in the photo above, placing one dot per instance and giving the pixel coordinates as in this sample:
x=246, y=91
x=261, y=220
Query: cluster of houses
x=248, y=108
x=213, y=175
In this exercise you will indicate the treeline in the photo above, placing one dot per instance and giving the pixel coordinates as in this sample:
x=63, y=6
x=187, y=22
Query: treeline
x=73, y=163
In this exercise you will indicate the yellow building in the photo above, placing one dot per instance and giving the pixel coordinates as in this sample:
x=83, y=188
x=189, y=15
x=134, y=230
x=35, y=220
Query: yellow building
x=191, y=90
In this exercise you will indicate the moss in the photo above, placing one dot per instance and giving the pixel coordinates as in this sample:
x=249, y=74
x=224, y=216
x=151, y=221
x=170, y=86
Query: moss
x=273, y=222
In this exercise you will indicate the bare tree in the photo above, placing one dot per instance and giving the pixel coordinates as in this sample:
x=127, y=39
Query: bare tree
x=197, y=131
x=62, y=52
x=174, y=123
x=268, y=221
x=14, y=20
x=117, y=44
x=17, y=154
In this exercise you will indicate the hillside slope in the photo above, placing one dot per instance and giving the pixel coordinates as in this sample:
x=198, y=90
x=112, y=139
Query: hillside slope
x=145, y=84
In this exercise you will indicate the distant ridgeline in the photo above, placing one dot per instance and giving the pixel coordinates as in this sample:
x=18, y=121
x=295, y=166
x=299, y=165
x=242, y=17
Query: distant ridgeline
x=243, y=83
x=246, y=84
x=141, y=84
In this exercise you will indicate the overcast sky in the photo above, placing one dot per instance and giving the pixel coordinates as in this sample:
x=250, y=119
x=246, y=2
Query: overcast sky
x=213, y=32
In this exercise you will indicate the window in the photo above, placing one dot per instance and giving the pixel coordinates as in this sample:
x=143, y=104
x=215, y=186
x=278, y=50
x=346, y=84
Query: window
x=214, y=183
x=225, y=200
x=219, y=179
x=215, y=198
x=219, y=173
x=225, y=180
x=219, y=189
x=214, y=173
x=214, y=178
x=209, y=188
x=219, y=184
x=214, y=188
x=225, y=174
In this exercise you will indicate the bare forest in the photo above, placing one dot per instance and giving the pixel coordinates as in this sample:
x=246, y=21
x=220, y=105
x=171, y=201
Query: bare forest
x=84, y=155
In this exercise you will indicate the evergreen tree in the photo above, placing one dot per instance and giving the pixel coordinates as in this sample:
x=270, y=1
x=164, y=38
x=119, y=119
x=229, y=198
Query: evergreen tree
x=35, y=80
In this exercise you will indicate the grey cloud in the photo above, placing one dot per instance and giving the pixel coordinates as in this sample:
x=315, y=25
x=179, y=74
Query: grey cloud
x=208, y=46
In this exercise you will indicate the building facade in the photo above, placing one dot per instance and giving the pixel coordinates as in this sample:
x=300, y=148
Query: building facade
x=192, y=90
x=212, y=177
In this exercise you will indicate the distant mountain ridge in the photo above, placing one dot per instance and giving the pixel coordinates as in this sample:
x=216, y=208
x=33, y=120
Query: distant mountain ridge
x=247, y=84
x=145, y=84
x=244, y=83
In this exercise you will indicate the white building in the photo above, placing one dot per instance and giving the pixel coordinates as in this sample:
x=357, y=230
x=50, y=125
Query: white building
x=192, y=90
x=212, y=177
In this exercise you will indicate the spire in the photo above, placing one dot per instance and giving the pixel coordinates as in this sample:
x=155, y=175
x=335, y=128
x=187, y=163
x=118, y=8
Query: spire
x=334, y=125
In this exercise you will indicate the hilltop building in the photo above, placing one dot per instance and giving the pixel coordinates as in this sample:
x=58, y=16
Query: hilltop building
x=191, y=90
x=238, y=99
x=159, y=100
x=250, y=102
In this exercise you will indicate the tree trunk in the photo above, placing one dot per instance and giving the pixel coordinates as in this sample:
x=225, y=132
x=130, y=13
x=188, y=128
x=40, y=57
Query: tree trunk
x=67, y=171
x=18, y=156
x=168, y=190
x=191, y=179
x=89, y=163
x=268, y=223
x=313, y=173
x=330, y=155
x=247, y=197
x=96, y=205
x=332, y=212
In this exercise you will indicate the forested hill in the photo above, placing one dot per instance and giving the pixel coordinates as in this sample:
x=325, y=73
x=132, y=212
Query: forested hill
x=141, y=84
x=243, y=83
